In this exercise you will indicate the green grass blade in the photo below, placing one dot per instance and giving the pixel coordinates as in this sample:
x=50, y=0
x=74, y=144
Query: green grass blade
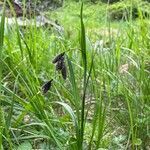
x=74, y=87
x=2, y=29
x=84, y=59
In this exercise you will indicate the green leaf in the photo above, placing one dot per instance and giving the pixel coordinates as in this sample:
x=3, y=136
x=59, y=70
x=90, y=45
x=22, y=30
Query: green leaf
x=70, y=111
x=2, y=26
x=137, y=141
x=25, y=146
x=75, y=91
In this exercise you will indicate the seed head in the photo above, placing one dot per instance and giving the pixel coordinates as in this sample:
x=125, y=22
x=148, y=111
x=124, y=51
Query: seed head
x=58, y=58
x=64, y=71
x=47, y=86
x=59, y=65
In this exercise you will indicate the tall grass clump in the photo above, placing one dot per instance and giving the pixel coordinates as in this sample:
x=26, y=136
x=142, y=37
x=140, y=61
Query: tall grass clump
x=2, y=122
x=63, y=92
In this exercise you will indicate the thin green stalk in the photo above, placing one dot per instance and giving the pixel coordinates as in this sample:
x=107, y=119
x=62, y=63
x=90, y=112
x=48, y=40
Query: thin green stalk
x=2, y=26
x=17, y=28
x=131, y=119
x=84, y=59
x=76, y=99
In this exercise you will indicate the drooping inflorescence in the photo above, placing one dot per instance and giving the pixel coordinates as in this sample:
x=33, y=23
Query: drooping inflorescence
x=59, y=60
x=47, y=86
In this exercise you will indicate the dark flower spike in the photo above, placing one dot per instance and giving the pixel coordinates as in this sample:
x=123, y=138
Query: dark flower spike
x=47, y=86
x=59, y=65
x=58, y=57
x=64, y=71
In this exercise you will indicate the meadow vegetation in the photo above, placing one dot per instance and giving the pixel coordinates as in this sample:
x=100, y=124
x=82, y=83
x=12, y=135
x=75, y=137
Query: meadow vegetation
x=101, y=102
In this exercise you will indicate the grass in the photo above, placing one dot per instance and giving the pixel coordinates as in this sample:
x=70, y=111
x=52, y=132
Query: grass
x=2, y=122
x=103, y=103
